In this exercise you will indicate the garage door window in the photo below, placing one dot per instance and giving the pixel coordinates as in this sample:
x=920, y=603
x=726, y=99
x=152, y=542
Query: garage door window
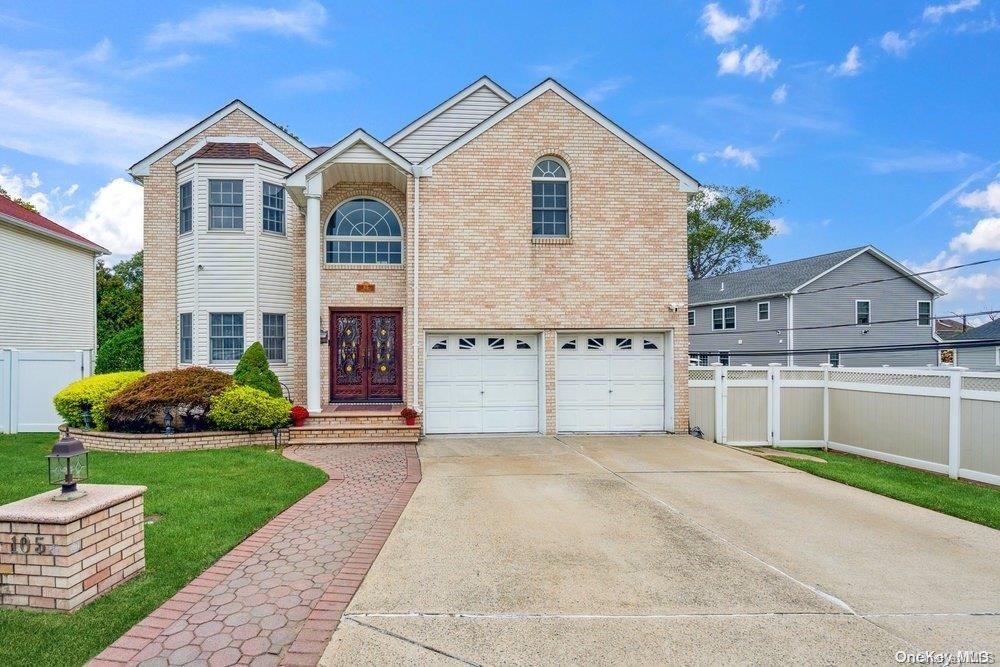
x=495, y=343
x=440, y=345
x=624, y=343
x=523, y=345
x=649, y=345
x=570, y=344
x=595, y=343
x=466, y=343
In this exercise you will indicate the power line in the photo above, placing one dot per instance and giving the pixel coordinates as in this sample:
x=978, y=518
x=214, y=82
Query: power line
x=903, y=275
x=905, y=347
x=778, y=330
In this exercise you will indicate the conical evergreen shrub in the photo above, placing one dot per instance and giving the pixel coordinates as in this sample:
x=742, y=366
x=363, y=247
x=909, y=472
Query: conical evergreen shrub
x=254, y=371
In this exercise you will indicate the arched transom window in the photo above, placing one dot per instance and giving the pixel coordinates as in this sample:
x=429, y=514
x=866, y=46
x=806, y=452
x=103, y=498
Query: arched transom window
x=549, y=198
x=364, y=231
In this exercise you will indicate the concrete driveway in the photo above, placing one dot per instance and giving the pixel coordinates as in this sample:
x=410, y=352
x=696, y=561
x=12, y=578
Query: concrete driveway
x=643, y=550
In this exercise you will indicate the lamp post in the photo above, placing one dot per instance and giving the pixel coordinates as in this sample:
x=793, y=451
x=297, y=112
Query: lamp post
x=168, y=422
x=69, y=463
x=86, y=416
x=277, y=434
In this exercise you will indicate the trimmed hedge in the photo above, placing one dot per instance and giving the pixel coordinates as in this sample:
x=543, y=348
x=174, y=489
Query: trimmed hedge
x=188, y=392
x=121, y=352
x=243, y=408
x=94, y=391
x=254, y=371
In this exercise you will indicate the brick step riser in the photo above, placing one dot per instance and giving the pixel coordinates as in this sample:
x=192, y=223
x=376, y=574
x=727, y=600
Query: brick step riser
x=303, y=436
x=390, y=421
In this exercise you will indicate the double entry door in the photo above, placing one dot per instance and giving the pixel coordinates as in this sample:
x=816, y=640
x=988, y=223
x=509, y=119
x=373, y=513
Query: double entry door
x=366, y=355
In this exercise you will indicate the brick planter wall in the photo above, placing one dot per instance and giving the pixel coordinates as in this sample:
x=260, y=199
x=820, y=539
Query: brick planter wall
x=179, y=442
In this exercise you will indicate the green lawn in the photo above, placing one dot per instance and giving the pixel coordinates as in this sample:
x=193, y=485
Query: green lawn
x=966, y=500
x=208, y=501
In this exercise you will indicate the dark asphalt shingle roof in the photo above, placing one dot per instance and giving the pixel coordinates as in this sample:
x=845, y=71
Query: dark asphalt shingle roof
x=236, y=151
x=990, y=330
x=764, y=280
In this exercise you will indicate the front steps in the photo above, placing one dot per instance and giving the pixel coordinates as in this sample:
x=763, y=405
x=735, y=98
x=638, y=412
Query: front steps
x=356, y=425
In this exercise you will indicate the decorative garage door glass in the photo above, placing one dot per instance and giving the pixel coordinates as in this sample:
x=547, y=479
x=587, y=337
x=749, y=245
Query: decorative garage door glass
x=481, y=383
x=365, y=356
x=610, y=382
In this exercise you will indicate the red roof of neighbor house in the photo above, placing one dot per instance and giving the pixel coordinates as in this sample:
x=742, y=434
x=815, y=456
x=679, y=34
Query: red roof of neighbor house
x=11, y=209
x=242, y=151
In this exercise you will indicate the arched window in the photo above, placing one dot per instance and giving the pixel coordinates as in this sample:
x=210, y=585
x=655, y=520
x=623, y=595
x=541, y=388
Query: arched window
x=364, y=231
x=549, y=198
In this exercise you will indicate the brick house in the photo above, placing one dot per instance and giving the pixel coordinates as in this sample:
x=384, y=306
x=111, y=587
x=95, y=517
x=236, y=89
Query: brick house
x=503, y=264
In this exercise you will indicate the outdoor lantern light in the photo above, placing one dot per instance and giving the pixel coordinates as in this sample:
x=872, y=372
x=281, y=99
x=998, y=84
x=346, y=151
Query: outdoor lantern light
x=68, y=464
x=168, y=422
x=277, y=434
x=85, y=415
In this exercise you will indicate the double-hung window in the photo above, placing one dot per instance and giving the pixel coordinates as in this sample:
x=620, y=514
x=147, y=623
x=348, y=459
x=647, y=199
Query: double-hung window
x=723, y=318
x=691, y=318
x=764, y=311
x=835, y=359
x=273, y=214
x=225, y=204
x=273, y=338
x=724, y=357
x=226, y=336
x=924, y=313
x=184, y=208
x=863, y=312
x=186, y=340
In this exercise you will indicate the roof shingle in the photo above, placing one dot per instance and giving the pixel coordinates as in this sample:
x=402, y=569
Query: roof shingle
x=236, y=151
x=11, y=209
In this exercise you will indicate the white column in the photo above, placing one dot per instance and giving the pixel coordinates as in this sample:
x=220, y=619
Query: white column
x=955, y=422
x=314, y=192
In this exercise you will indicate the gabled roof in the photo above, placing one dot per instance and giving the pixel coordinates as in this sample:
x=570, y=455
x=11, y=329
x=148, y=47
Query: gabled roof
x=988, y=331
x=688, y=183
x=298, y=177
x=17, y=215
x=785, y=277
x=230, y=151
x=141, y=168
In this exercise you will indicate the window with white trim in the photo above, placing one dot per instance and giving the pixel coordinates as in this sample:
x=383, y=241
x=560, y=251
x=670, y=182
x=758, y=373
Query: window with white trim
x=691, y=318
x=184, y=208
x=225, y=204
x=273, y=336
x=225, y=338
x=186, y=338
x=834, y=359
x=863, y=312
x=273, y=211
x=723, y=318
x=924, y=313
x=549, y=198
x=364, y=231
x=698, y=359
x=764, y=311
x=724, y=358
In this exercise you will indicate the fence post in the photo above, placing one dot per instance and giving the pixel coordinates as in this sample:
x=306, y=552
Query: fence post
x=955, y=422
x=720, y=403
x=773, y=404
x=826, y=405
x=13, y=380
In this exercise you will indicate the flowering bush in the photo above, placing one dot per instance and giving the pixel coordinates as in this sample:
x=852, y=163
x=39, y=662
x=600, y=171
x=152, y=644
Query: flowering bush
x=409, y=413
x=94, y=391
x=242, y=408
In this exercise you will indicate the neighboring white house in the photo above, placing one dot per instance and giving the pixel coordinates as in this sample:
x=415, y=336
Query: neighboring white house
x=48, y=315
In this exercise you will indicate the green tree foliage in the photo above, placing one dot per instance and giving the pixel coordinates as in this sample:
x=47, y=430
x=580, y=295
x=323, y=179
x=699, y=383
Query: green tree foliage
x=254, y=371
x=726, y=229
x=23, y=203
x=119, y=297
x=121, y=352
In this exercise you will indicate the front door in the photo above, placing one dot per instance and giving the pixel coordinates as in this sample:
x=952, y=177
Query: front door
x=365, y=355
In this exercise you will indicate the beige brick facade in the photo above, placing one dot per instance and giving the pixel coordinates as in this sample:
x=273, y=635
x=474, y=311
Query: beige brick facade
x=480, y=269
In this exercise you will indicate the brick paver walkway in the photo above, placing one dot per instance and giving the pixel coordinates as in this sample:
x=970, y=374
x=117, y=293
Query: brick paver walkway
x=278, y=596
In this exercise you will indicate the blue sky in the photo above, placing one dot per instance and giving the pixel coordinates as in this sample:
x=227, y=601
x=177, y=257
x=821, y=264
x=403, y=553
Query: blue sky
x=874, y=122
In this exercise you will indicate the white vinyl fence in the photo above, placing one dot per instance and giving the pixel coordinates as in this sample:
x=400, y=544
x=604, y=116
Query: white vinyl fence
x=946, y=420
x=28, y=381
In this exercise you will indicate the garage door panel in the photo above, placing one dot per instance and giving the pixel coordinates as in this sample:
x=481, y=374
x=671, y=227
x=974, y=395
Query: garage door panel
x=454, y=394
x=509, y=367
x=635, y=418
x=583, y=367
x=637, y=393
x=454, y=420
x=511, y=394
x=454, y=368
x=637, y=368
x=510, y=420
x=583, y=394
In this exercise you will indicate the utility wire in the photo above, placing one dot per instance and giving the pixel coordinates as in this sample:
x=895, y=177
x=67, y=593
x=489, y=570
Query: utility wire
x=904, y=275
x=778, y=330
x=906, y=347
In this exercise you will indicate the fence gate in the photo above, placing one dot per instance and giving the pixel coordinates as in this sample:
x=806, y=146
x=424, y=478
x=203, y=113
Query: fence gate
x=28, y=381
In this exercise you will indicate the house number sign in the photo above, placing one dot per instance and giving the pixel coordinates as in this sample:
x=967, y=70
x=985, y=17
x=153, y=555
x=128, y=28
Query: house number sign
x=365, y=287
x=20, y=544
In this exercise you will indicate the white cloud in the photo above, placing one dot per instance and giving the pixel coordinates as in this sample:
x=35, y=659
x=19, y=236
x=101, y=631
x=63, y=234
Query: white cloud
x=101, y=52
x=755, y=62
x=983, y=200
x=894, y=43
x=316, y=82
x=138, y=68
x=780, y=227
x=851, y=64
x=605, y=88
x=743, y=157
x=927, y=162
x=780, y=94
x=47, y=110
x=934, y=13
x=223, y=22
x=114, y=218
x=984, y=236
x=722, y=27
x=969, y=289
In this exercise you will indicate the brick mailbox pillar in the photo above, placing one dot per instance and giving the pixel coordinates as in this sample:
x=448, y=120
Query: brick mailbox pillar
x=61, y=555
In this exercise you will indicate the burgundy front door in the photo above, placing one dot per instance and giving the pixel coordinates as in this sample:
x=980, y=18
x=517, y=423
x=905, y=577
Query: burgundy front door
x=365, y=355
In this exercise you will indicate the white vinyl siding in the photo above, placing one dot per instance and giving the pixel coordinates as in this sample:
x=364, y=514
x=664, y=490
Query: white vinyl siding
x=449, y=125
x=47, y=293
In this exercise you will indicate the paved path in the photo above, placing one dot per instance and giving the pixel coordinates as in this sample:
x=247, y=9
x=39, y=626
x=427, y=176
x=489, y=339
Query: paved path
x=660, y=550
x=277, y=597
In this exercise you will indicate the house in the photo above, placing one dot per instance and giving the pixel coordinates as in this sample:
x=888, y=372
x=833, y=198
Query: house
x=814, y=310
x=947, y=328
x=48, y=315
x=979, y=357
x=501, y=263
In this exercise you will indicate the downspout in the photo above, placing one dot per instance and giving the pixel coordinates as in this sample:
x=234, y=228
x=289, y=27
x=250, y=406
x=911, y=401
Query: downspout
x=418, y=171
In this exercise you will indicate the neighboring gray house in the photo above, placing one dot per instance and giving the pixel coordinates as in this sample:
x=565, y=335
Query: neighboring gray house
x=773, y=307
x=985, y=358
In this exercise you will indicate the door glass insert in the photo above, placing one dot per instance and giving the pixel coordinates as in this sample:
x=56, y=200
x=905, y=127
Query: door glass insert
x=349, y=339
x=523, y=345
x=466, y=343
x=383, y=354
x=495, y=343
x=595, y=343
x=570, y=344
x=440, y=345
x=623, y=343
x=649, y=345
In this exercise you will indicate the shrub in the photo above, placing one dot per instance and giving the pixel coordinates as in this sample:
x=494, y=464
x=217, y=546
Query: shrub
x=253, y=371
x=121, y=352
x=248, y=409
x=187, y=391
x=94, y=391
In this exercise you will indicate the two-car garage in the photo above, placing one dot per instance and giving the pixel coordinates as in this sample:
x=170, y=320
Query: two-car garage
x=494, y=382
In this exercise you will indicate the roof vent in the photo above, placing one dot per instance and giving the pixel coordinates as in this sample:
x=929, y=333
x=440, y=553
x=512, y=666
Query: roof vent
x=722, y=286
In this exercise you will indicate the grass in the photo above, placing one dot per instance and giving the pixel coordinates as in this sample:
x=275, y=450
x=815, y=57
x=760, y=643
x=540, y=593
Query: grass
x=208, y=502
x=965, y=500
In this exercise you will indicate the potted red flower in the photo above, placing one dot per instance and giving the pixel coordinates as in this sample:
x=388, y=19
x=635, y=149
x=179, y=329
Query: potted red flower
x=410, y=415
x=299, y=415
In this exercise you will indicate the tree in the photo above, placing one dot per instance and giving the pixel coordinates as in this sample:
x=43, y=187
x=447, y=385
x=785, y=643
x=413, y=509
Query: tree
x=254, y=371
x=23, y=203
x=726, y=229
x=119, y=297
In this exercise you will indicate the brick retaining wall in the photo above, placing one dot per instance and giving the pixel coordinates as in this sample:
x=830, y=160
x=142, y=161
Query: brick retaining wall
x=179, y=442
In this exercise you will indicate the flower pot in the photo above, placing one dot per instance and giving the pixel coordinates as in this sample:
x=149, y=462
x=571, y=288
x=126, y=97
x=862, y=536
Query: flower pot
x=299, y=422
x=411, y=421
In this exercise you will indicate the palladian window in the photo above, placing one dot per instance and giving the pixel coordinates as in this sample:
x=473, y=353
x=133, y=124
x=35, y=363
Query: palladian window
x=364, y=231
x=549, y=199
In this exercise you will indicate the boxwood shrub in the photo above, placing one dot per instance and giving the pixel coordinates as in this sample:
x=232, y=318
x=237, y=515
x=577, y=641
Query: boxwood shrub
x=94, y=391
x=242, y=408
x=188, y=392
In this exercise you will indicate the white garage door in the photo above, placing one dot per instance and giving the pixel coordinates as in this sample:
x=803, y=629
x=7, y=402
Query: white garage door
x=481, y=383
x=610, y=382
